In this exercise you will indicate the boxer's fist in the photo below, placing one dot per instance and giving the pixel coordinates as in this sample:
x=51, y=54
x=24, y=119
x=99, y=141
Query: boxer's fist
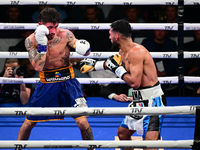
x=41, y=38
x=87, y=65
x=82, y=47
x=40, y=34
x=114, y=63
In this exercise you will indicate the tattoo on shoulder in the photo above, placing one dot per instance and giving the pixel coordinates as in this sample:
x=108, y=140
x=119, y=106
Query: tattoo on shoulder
x=126, y=59
x=70, y=36
x=54, y=42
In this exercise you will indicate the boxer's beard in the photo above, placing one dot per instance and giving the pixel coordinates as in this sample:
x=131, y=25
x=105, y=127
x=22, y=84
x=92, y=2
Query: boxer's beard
x=115, y=46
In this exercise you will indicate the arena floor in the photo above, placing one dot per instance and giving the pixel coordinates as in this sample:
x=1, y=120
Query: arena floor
x=175, y=127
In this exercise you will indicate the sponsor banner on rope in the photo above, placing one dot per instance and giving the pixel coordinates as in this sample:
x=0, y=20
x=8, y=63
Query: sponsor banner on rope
x=12, y=81
x=192, y=28
x=69, y=27
x=57, y=146
x=13, y=27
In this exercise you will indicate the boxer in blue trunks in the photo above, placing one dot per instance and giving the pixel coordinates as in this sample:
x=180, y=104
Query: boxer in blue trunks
x=136, y=67
x=49, y=51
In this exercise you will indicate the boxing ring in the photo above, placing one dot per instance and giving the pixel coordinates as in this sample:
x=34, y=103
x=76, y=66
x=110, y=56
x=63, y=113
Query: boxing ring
x=112, y=113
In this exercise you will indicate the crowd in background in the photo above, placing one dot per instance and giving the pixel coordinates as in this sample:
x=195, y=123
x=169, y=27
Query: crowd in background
x=154, y=40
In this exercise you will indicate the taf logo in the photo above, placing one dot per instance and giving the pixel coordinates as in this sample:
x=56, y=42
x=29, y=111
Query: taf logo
x=57, y=74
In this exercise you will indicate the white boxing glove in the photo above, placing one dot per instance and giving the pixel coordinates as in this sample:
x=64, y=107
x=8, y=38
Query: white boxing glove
x=82, y=47
x=41, y=38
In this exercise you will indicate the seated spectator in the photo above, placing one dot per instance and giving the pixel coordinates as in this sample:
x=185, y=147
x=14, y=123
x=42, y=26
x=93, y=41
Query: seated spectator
x=96, y=37
x=118, y=92
x=160, y=42
x=13, y=16
x=10, y=93
x=20, y=47
x=92, y=15
x=79, y=13
x=117, y=12
x=171, y=12
x=156, y=13
x=132, y=14
x=192, y=66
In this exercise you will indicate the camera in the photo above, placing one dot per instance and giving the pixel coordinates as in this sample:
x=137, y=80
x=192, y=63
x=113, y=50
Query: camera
x=20, y=71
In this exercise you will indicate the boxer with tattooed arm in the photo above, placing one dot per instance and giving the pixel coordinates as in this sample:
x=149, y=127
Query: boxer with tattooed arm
x=49, y=50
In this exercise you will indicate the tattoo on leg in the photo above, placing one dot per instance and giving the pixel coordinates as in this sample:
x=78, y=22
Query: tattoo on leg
x=87, y=134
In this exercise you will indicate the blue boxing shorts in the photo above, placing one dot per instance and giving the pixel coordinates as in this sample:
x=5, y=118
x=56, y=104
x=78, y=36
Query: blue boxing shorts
x=57, y=93
x=145, y=97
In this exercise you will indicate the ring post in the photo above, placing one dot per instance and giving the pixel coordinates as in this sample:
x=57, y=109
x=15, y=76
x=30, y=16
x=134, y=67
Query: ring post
x=196, y=144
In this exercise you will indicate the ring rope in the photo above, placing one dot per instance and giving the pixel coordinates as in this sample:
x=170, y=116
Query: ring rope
x=89, y=2
x=95, y=111
x=91, y=26
x=102, y=26
x=99, y=54
x=162, y=80
x=187, y=54
x=96, y=144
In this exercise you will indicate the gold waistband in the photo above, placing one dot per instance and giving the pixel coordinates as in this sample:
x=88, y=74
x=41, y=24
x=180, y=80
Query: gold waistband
x=57, y=75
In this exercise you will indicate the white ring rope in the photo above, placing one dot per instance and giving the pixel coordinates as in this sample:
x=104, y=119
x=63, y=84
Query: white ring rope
x=96, y=54
x=102, y=26
x=94, y=111
x=91, y=26
x=162, y=80
x=100, y=2
x=97, y=144
x=89, y=2
x=187, y=54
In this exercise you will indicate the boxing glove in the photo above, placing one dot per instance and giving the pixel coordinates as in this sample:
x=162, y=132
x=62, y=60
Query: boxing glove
x=88, y=65
x=114, y=63
x=82, y=47
x=41, y=38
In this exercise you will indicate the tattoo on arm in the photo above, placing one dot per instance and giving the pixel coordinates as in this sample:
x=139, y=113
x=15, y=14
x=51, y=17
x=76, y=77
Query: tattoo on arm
x=87, y=134
x=70, y=36
x=33, y=54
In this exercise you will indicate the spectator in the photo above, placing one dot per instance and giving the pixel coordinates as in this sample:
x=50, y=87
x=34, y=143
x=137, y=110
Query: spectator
x=132, y=14
x=96, y=37
x=117, y=12
x=13, y=16
x=20, y=47
x=119, y=92
x=79, y=13
x=160, y=42
x=171, y=14
x=14, y=92
x=156, y=13
x=192, y=66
